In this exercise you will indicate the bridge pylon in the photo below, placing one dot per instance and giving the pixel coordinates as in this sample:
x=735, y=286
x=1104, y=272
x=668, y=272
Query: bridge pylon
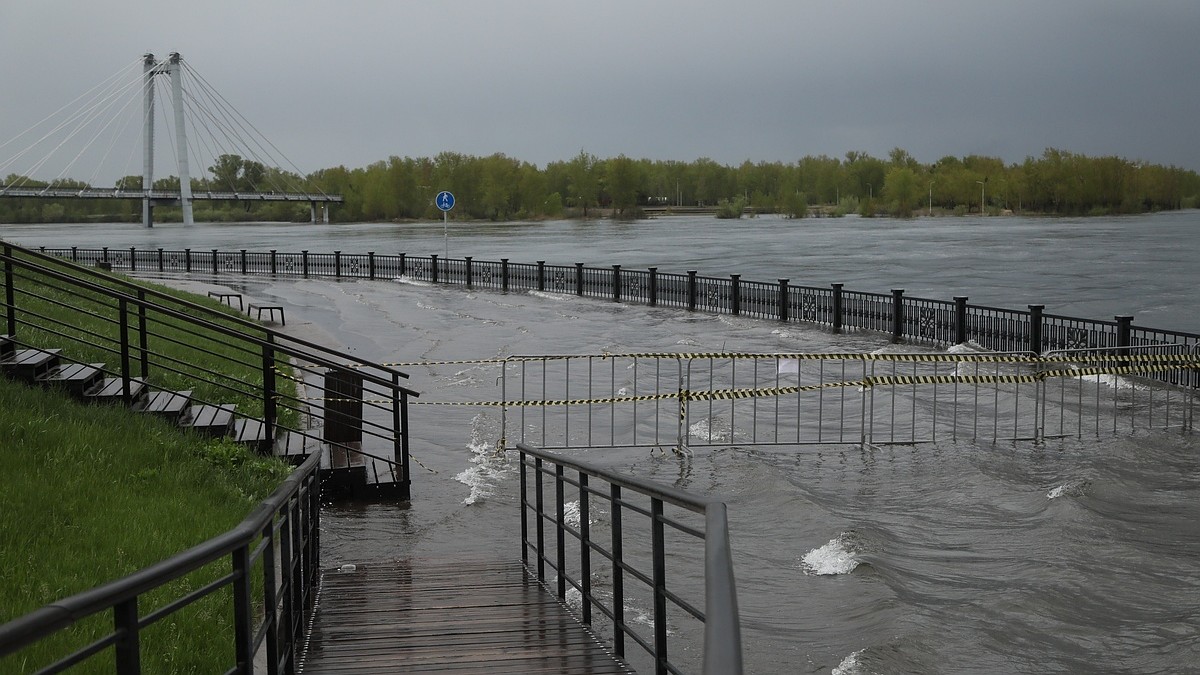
x=151, y=68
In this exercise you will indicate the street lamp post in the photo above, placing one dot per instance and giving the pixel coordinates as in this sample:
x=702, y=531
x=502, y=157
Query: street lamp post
x=982, y=187
x=931, y=199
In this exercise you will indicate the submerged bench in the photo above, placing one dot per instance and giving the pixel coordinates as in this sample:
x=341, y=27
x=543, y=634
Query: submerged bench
x=259, y=308
x=227, y=298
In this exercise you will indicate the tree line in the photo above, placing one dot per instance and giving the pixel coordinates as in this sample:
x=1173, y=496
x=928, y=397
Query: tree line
x=498, y=187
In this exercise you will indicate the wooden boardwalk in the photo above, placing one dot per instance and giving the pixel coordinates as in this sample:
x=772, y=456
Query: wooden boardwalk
x=447, y=616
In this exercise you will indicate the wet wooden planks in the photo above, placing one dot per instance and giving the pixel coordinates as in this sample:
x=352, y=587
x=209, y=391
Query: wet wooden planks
x=447, y=617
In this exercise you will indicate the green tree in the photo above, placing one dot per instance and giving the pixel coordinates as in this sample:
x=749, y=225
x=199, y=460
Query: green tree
x=900, y=191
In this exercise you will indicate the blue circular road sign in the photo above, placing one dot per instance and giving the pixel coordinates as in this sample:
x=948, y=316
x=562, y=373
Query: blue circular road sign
x=444, y=200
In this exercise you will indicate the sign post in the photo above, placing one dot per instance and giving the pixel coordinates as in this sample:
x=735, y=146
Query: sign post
x=445, y=202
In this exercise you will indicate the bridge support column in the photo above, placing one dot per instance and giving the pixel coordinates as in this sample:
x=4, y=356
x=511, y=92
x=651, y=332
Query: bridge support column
x=312, y=212
x=149, y=68
x=325, y=212
x=185, y=179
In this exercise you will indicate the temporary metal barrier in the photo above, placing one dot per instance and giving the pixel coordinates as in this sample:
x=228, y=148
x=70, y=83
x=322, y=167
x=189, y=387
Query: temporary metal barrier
x=905, y=318
x=584, y=532
x=276, y=548
x=693, y=400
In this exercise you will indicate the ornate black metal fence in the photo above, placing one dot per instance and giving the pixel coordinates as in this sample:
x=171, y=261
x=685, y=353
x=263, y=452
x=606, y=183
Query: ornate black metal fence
x=905, y=318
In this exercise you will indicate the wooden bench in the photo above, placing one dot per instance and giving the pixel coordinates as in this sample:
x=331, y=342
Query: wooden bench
x=227, y=298
x=259, y=308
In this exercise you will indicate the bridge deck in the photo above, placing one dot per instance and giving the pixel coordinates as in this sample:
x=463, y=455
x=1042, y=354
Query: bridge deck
x=447, y=616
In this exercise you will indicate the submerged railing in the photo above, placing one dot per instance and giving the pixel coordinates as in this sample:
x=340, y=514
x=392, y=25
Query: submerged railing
x=581, y=524
x=936, y=322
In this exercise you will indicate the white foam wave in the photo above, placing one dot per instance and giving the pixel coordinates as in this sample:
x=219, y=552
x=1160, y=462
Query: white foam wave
x=849, y=665
x=965, y=348
x=487, y=468
x=411, y=282
x=711, y=430
x=834, y=557
x=1075, y=488
x=550, y=296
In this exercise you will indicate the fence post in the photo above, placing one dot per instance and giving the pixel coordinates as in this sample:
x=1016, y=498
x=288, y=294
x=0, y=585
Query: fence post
x=401, y=264
x=143, y=334
x=653, y=286
x=960, y=319
x=433, y=268
x=214, y=261
x=659, y=576
x=897, y=314
x=337, y=264
x=541, y=275
x=304, y=263
x=735, y=293
x=504, y=274
x=1035, y=328
x=187, y=260
x=1124, y=324
x=585, y=548
x=127, y=648
x=578, y=278
x=371, y=264
x=468, y=270
x=269, y=389
x=132, y=259
x=618, y=571
x=160, y=259
x=123, y=332
x=104, y=254
x=9, y=294
x=74, y=254
x=783, y=299
x=837, y=307
x=691, y=289
x=273, y=267
x=616, y=281
x=243, y=262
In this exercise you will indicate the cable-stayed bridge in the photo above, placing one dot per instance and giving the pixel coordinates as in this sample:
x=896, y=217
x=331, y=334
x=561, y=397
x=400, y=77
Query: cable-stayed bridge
x=203, y=127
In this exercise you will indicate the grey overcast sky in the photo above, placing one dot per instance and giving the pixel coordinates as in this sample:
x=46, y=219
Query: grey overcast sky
x=350, y=82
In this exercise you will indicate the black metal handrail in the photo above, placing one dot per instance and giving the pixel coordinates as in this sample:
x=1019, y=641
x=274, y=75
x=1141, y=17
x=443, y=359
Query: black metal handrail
x=281, y=537
x=722, y=651
x=931, y=321
x=143, y=320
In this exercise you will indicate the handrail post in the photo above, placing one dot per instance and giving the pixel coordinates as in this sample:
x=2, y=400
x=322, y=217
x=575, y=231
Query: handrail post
x=783, y=299
x=304, y=262
x=273, y=267
x=585, y=548
x=578, y=278
x=337, y=264
x=371, y=264
x=618, y=571
x=143, y=333
x=539, y=508
x=735, y=294
x=1035, y=328
x=960, y=319
x=214, y=261
x=691, y=289
x=132, y=258
x=1124, y=332
x=433, y=270
x=837, y=307
x=270, y=600
x=270, y=391
x=653, y=286
x=467, y=259
x=9, y=294
x=123, y=330
x=897, y=315
x=160, y=259
x=243, y=623
x=616, y=283
x=187, y=260
x=243, y=261
x=404, y=439
x=560, y=531
x=504, y=274
x=658, y=548
x=524, y=504
x=128, y=650
x=541, y=280
x=402, y=263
